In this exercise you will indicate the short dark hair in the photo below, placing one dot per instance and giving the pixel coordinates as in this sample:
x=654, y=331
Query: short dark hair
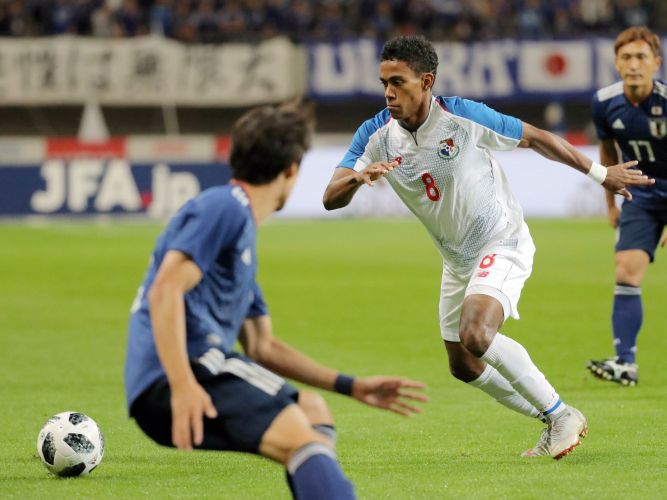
x=267, y=140
x=416, y=51
x=638, y=33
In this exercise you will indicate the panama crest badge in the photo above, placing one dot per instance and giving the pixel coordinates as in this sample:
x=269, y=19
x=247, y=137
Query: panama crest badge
x=448, y=149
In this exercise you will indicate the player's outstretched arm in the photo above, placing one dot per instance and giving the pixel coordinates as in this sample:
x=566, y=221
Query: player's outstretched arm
x=389, y=393
x=609, y=156
x=345, y=182
x=615, y=178
x=189, y=401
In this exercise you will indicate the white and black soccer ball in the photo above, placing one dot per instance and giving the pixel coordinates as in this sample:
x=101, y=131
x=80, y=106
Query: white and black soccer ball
x=70, y=444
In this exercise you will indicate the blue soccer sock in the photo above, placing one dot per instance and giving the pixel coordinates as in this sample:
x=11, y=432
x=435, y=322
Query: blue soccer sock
x=316, y=475
x=626, y=320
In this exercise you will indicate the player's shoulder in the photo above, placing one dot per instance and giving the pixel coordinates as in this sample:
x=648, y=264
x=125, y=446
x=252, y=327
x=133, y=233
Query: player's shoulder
x=467, y=108
x=479, y=114
x=375, y=123
x=660, y=88
x=368, y=128
x=609, y=92
x=228, y=201
x=459, y=106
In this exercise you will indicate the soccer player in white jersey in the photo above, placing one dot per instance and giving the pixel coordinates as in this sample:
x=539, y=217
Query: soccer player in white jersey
x=436, y=153
x=630, y=117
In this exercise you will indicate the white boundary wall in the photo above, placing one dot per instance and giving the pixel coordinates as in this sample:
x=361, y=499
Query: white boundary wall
x=544, y=188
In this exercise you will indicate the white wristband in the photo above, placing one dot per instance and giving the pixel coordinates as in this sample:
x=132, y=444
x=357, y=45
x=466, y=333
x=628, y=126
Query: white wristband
x=597, y=172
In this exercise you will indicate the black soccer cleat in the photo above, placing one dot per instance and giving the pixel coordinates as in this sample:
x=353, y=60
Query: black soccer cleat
x=614, y=370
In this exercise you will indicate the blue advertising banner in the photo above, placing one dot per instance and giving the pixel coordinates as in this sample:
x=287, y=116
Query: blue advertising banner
x=94, y=186
x=499, y=70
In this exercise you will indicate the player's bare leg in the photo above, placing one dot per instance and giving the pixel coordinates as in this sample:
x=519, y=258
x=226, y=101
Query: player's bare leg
x=318, y=414
x=307, y=455
x=481, y=317
x=468, y=368
x=627, y=316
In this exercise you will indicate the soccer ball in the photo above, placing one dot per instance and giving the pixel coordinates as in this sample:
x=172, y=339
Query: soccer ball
x=70, y=444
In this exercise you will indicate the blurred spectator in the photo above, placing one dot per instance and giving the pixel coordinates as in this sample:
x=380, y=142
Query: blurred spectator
x=182, y=28
x=532, y=19
x=161, y=18
x=63, y=17
x=597, y=15
x=330, y=20
x=633, y=13
x=131, y=18
x=204, y=21
x=233, y=21
x=102, y=21
x=382, y=22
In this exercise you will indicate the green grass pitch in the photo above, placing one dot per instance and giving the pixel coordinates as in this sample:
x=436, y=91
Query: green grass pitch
x=361, y=296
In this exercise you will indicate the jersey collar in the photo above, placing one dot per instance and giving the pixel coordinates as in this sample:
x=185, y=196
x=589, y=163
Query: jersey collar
x=418, y=134
x=235, y=182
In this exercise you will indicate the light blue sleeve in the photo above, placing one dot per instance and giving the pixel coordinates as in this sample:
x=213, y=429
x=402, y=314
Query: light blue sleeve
x=501, y=131
x=361, y=138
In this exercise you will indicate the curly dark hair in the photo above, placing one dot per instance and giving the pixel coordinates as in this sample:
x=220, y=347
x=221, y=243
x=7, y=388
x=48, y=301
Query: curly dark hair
x=416, y=51
x=267, y=140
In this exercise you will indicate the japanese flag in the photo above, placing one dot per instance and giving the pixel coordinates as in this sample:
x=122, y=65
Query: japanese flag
x=555, y=67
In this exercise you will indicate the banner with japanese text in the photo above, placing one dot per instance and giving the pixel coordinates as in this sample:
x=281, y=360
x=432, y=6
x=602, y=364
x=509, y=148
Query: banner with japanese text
x=147, y=71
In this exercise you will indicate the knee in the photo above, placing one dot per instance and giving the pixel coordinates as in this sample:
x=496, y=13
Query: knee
x=463, y=365
x=624, y=273
x=289, y=432
x=464, y=372
x=631, y=266
x=315, y=408
x=475, y=335
x=625, y=276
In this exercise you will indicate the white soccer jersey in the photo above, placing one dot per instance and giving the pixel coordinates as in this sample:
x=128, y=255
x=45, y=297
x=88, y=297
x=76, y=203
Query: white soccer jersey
x=448, y=176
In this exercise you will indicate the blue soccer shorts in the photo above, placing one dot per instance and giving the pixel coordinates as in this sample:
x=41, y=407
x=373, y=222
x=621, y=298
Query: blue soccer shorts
x=640, y=228
x=247, y=396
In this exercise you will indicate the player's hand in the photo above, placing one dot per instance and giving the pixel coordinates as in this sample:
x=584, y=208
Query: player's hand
x=622, y=175
x=189, y=403
x=389, y=393
x=663, y=240
x=376, y=170
x=613, y=216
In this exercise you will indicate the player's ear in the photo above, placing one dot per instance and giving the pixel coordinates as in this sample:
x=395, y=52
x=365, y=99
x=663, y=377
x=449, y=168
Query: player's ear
x=427, y=81
x=292, y=170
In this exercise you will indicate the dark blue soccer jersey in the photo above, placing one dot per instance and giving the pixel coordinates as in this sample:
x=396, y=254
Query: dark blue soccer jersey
x=640, y=131
x=217, y=231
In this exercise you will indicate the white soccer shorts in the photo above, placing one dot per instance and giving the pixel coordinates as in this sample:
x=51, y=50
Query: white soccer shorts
x=501, y=271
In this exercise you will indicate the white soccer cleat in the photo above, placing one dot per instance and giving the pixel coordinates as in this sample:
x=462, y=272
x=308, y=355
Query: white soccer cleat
x=541, y=448
x=561, y=436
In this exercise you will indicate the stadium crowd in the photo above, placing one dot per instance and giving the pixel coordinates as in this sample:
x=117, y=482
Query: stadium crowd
x=330, y=20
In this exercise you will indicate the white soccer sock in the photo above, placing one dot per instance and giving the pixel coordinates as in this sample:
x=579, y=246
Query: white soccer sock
x=497, y=386
x=513, y=362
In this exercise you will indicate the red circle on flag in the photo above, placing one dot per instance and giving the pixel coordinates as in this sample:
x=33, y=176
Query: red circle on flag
x=555, y=64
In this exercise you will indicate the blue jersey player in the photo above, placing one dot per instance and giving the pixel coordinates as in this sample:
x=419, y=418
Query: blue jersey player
x=631, y=115
x=185, y=385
